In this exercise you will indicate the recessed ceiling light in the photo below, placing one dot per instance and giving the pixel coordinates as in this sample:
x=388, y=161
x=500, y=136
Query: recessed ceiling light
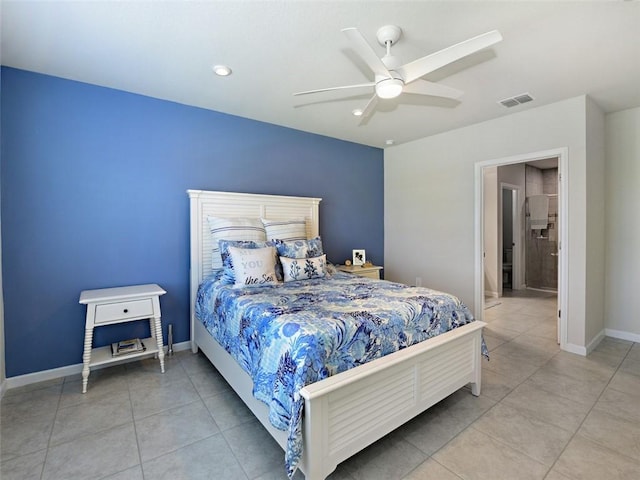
x=357, y=112
x=389, y=142
x=221, y=70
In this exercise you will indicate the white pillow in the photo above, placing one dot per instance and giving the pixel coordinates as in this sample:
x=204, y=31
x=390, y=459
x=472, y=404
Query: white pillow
x=287, y=230
x=233, y=229
x=303, y=268
x=254, y=267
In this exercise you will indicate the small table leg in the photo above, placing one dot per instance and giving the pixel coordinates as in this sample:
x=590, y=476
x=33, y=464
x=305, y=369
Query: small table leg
x=157, y=333
x=86, y=358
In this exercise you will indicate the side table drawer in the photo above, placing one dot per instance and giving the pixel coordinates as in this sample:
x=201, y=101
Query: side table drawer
x=107, y=312
x=370, y=274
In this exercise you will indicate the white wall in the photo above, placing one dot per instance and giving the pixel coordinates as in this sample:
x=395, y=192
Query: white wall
x=595, y=284
x=622, y=225
x=491, y=232
x=514, y=175
x=429, y=200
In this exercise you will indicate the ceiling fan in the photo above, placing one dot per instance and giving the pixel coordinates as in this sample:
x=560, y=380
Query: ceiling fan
x=391, y=78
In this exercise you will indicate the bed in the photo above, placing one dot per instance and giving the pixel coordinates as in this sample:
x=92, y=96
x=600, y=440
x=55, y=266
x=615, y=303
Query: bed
x=345, y=412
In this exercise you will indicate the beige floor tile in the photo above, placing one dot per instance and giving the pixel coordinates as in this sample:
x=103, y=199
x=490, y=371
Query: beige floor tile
x=514, y=373
x=537, y=439
x=210, y=459
x=526, y=351
x=583, y=391
x=390, y=458
x=580, y=368
x=432, y=430
x=620, y=404
x=101, y=414
x=618, y=434
x=431, y=470
x=25, y=467
x=491, y=341
x=626, y=382
x=494, y=385
x=548, y=407
x=634, y=352
x=209, y=383
x=148, y=375
x=93, y=456
x=102, y=383
x=228, y=410
x=500, y=333
x=172, y=429
x=257, y=452
x=148, y=401
x=584, y=459
x=613, y=347
x=27, y=402
x=22, y=435
x=133, y=473
x=487, y=458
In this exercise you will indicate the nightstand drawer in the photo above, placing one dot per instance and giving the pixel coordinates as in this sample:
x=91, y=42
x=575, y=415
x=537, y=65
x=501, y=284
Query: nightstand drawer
x=107, y=312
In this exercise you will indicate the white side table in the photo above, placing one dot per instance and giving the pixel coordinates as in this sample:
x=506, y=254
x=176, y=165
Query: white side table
x=372, y=271
x=108, y=306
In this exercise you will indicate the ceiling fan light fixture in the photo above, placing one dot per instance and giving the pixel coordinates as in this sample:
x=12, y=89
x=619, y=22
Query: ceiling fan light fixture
x=389, y=88
x=221, y=70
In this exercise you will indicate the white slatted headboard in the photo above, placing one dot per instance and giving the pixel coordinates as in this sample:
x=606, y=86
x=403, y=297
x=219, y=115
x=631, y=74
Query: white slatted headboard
x=247, y=205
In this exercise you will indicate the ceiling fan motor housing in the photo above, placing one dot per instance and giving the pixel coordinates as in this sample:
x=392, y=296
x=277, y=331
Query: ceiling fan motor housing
x=388, y=33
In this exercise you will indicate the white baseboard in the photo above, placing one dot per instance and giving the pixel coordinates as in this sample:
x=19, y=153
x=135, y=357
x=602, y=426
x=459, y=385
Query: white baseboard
x=577, y=349
x=29, y=378
x=632, y=337
x=607, y=332
x=596, y=341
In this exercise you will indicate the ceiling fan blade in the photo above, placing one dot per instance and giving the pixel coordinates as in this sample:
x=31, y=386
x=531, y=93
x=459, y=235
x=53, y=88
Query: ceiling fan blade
x=420, y=67
x=423, y=87
x=362, y=48
x=368, y=110
x=360, y=85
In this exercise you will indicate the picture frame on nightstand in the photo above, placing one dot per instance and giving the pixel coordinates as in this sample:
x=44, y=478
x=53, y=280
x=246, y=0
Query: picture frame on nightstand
x=359, y=257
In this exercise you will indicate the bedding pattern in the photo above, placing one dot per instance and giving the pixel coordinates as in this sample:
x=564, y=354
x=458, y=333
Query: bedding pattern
x=289, y=335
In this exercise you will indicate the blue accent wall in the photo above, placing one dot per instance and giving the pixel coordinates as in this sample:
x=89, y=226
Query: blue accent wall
x=94, y=187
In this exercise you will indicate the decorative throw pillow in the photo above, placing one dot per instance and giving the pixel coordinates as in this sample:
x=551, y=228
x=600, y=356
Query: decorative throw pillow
x=300, y=248
x=253, y=267
x=303, y=268
x=286, y=230
x=232, y=229
x=228, y=275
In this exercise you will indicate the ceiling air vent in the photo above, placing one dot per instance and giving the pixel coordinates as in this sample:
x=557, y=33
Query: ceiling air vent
x=517, y=100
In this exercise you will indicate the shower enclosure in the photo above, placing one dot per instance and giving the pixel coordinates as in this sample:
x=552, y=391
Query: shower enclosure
x=541, y=239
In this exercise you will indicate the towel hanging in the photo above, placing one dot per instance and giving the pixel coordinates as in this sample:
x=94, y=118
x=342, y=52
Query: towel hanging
x=539, y=211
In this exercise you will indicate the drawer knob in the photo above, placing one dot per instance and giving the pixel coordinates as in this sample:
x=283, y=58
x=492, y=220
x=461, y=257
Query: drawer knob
x=126, y=310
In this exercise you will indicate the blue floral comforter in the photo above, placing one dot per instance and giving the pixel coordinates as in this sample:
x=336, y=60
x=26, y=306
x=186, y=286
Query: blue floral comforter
x=293, y=334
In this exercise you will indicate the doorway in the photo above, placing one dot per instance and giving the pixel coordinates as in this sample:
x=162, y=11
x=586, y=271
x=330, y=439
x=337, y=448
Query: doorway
x=512, y=216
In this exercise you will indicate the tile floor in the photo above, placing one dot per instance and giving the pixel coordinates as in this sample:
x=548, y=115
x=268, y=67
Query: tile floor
x=542, y=414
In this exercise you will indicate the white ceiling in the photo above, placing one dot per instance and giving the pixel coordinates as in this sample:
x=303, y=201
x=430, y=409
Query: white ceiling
x=165, y=49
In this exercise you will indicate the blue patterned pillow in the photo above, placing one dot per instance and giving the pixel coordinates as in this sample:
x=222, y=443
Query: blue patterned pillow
x=303, y=268
x=228, y=275
x=300, y=248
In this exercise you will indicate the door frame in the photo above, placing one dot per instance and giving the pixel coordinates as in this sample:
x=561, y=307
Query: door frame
x=562, y=154
x=516, y=234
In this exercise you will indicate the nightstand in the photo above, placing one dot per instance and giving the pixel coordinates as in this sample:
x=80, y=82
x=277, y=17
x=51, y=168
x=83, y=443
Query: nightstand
x=372, y=271
x=108, y=306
